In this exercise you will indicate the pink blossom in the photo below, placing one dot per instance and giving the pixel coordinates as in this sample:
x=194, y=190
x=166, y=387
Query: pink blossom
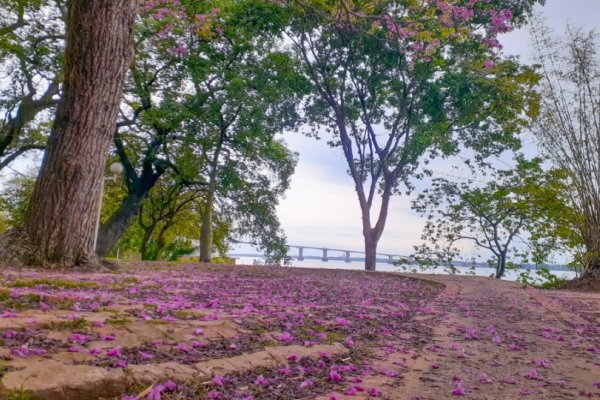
x=94, y=351
x=334, y=376
x=114, y=352
x=532, y=374
x=542, y=363
x=218, y=380
x=285, y=337
x=198, y=331
x=155, y=392
x=484, y=378
x=459, y=390
x=374, y=392
x=261, y=381
x=489, y=64
x=307, y=384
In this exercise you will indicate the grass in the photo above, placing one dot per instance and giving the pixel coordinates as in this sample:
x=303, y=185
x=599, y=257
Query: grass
x=20, y=394
x=56, y=283
x=76, y=324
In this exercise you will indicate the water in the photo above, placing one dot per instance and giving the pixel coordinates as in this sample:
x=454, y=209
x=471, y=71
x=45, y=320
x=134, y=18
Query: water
x=511, y=275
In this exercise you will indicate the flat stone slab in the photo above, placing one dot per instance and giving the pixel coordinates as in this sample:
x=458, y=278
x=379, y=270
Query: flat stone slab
x=54, y=380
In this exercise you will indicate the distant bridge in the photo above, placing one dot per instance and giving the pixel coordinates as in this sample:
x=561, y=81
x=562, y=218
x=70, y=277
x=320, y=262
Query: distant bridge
x=330, y=254
x=327, y=254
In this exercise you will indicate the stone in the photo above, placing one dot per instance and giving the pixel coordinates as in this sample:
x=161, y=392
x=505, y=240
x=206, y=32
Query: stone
x=52, y=380
x=150, y=373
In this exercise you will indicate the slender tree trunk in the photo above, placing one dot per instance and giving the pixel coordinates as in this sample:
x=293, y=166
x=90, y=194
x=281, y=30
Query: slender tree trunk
x=144, y=252
x=61, y=219
x=501, y=269
x=370, y=252
x=206, y=234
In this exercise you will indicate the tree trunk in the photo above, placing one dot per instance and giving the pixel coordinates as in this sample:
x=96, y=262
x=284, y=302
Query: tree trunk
x=144, y=253
x=501, y=269
x=206, y=234
x=370, y=252
x=118, y=223
x=61, y=218
x=592, y=270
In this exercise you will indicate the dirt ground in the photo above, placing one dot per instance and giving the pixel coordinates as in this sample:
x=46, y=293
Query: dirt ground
x=211, y=332
x=504, y=341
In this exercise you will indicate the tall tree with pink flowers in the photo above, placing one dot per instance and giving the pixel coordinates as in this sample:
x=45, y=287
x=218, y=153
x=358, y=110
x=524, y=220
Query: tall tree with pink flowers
x=395, y=83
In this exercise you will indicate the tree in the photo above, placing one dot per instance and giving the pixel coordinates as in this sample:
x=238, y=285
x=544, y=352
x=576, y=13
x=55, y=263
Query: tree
x=31, y=48
x=516, y=205
x=249, y=95
x=97, y=56
x=393, y=81
x=569, y=126
x=214, y=101
x=171, y=207
x=148, y=136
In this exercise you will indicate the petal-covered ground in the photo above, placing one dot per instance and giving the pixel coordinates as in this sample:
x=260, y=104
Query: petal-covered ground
x=155, y=331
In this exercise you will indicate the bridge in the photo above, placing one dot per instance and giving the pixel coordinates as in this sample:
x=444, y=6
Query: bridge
x=327, y=254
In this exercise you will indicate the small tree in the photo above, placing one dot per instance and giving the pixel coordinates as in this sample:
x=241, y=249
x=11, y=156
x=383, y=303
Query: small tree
x=514, y=206
x=569, y=126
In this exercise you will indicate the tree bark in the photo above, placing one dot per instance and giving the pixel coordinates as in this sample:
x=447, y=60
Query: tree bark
x=206, y=234
x=500, y=271
x=592, y=270
x=370, y=253
x=61, y=218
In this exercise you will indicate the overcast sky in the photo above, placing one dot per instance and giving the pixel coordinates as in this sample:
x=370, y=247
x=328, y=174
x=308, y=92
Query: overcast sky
x=321, y=208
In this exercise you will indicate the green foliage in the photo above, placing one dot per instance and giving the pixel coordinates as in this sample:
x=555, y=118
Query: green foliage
x=14, y=200
x=543, y=279
x=31, y=51
x=523, y=204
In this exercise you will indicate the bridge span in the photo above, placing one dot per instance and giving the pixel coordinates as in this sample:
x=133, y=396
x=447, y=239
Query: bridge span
x=328, y=254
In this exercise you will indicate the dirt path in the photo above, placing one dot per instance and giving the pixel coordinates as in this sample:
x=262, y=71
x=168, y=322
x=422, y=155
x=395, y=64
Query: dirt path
x=499, y=340
x=261, y=333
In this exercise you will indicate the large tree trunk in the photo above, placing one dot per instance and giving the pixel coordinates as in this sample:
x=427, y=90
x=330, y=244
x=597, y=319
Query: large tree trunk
x=61, y=218
x=118, y=223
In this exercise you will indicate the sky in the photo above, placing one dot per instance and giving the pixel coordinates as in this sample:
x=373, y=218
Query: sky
x=321, y=208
